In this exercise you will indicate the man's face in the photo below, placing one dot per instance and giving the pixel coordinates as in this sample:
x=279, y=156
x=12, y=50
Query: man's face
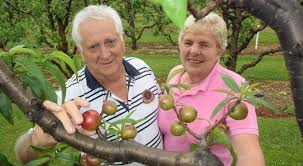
x=102, y=47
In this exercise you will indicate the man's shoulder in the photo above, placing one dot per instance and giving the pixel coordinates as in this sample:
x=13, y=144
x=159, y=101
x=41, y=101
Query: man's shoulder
x=76, y=78
x=136, y=62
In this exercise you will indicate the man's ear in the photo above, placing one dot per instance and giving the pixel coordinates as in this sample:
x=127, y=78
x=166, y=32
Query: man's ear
x=80, y=50
x=124, y=37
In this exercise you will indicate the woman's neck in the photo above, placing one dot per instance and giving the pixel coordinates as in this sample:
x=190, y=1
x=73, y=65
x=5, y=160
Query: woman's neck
x=191, y=80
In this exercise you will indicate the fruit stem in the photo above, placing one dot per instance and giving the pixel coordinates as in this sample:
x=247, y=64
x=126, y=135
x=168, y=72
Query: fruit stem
x=100, y=134
x=222, y=119
x=107, y=94
x=186, y=127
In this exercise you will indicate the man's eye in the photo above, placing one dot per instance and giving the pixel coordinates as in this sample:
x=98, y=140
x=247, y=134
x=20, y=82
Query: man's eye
x=110, y=43
x=94, y=46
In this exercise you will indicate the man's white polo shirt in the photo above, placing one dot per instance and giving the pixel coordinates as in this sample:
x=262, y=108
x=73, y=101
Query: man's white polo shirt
x=139, y=77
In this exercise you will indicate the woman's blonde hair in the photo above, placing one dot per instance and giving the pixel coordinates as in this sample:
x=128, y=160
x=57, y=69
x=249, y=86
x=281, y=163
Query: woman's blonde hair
x=211, y=21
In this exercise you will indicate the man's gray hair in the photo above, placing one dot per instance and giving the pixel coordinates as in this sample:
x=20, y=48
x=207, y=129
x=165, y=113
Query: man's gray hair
x=95, y=12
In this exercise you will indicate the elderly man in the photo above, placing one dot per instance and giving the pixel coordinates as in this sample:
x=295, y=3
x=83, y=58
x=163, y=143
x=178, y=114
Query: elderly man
x=98, y=34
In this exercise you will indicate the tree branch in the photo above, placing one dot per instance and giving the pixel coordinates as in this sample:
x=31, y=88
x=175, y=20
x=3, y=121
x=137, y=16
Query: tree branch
x=16, y=8
x=112, y=151
x=248, y=38
x=259, y=58
x=50, y=15
x=212, y=4
x=143, y=29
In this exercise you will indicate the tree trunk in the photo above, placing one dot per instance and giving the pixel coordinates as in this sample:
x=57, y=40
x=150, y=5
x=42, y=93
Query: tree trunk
x=285, y=17
x=236, y=25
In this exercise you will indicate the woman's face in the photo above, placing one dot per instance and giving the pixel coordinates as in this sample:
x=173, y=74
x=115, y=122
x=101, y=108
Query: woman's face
x=199, y=52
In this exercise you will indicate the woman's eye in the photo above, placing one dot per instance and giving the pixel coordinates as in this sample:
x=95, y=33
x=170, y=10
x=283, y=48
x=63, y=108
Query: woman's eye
x=204, y=45
x=187, y=43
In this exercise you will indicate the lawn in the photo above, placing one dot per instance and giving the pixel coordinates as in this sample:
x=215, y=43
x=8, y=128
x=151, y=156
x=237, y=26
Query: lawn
x=270, y=68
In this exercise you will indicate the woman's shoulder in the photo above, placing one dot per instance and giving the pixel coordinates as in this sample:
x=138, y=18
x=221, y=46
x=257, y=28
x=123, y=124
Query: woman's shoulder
x=222, y=70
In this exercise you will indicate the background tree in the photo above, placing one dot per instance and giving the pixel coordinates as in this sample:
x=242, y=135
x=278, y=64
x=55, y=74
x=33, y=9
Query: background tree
x=11, y=28
x=138, y=17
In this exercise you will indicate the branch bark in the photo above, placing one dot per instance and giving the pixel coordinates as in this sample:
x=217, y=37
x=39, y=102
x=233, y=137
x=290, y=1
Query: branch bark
x=212, y=5
x=259, y=58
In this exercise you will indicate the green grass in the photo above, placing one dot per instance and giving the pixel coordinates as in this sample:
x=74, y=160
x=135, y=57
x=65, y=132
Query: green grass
x=267, y=36
x=280, y=139
x=281, y=142
x=270, y=68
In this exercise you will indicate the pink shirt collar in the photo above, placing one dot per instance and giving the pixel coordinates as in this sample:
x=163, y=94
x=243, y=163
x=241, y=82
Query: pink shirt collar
x=203, y=85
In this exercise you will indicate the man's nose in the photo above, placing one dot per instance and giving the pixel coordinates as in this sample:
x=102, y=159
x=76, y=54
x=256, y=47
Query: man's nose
x=104, y=52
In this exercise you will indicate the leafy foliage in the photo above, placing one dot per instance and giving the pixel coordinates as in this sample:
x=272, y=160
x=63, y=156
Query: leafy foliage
x=30, y=67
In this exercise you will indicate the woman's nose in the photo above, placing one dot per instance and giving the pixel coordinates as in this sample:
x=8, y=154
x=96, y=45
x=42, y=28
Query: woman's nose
x=194, y=49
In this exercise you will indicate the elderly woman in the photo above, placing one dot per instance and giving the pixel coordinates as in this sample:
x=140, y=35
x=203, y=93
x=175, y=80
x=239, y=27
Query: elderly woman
x=201, y=45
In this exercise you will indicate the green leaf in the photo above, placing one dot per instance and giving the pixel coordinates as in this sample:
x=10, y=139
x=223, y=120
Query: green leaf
x=175, y=10
x=19, y=50
x=217, y=136
x=6, y=108
x=113, y=131
x=65, y=58
x=230, y=83
x=259, y=102
x=4, y=161
x=49, y=92
x=172, y=74
x=183, y=86
x=62, y=65
x=34, y=84
x=193, y=147
x=225, y=91
x=55, y=71
x=253, y=86
x=67, y=157
x=125, y=121
x=220, y=106
x=29, y=66
x=78, y=61
x=38, y=161
x=43, y=150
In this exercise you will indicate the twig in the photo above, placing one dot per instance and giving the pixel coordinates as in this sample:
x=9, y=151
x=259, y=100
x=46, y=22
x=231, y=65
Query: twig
x=212, y=5
x=222, y=119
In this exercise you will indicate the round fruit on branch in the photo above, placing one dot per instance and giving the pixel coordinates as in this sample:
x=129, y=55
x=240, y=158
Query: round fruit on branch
x=128, y=131
x=148, y=96
x=177, y=129
x=187, y=114
x=166, y=102
x=109, y=107
x=91, y=120
x=239, y=111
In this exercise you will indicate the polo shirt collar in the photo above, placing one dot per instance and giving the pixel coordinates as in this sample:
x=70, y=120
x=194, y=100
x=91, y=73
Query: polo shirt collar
x=203, y=86
x=92, y=83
